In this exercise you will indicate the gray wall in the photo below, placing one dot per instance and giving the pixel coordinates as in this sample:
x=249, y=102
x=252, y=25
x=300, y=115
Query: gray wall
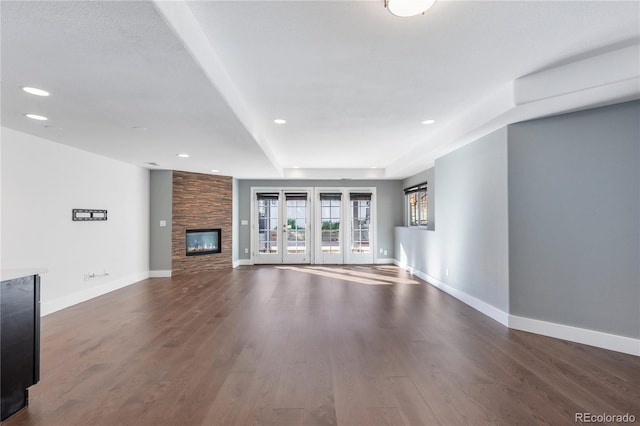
x=418, y=249
x=472, y=206
x=429, y=177
x=161, y=187
x=390, y=199
x=574, y=215
x=471, y=238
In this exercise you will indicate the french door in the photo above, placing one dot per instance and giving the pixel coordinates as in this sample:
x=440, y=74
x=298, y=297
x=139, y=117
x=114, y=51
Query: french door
x=281, y=219
x=360, y=241
x=345, y=226
x=306, y=225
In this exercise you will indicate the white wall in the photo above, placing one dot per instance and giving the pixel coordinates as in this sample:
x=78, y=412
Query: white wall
x=42, y=182
x=235, y=227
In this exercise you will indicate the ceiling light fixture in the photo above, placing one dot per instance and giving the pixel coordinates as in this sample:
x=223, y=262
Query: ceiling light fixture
x=35, y=91
x=428, y=121
x=215, y=171
x=36, y=117
x=406, y=8
x=279, y=121
x=183, y=155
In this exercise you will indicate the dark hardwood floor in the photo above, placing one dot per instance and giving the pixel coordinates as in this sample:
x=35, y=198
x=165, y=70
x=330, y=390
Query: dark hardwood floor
x=314, y=346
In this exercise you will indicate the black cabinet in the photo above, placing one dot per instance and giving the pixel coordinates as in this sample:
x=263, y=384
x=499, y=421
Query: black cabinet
x=19, y=341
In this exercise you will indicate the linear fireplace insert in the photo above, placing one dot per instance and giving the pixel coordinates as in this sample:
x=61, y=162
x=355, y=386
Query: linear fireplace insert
x=203, y=241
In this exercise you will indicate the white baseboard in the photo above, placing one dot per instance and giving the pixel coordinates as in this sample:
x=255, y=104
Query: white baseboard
x=477, y=304
x=160, y=274
x=385, y=261
x=242, y=262
x=585, y=336
x=489, y=310
x=52, y=306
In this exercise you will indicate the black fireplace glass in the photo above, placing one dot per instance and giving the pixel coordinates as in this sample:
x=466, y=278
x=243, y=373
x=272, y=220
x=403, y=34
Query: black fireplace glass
x=203, y=241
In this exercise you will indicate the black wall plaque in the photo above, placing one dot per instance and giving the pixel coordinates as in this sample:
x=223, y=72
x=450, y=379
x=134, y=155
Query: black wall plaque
x=88, y=214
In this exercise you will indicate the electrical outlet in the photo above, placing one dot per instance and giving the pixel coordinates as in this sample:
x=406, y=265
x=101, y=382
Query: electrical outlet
x=446, y=271
x=385, y=252
x=246, y=251
x=381, y=250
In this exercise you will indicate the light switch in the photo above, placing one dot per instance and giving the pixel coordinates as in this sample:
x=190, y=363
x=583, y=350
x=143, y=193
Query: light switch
x=244, y=222
x=163, y=223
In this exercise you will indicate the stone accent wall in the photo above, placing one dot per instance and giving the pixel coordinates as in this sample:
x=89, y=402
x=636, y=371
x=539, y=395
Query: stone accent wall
x=200, y=202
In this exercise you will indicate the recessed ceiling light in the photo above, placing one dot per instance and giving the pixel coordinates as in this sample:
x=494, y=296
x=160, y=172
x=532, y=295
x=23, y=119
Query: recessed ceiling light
x=48, y=126
x=35, y=91
x=183, y=155
x=296, y=167
x=36, y=117
x=373, y=167
x=215, y=171
x=279, y=121
x=428, y=121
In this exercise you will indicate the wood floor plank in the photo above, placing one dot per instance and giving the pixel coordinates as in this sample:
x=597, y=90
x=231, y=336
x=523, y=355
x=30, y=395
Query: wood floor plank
x=320, y=345
x=320, y=400
x=410, y=402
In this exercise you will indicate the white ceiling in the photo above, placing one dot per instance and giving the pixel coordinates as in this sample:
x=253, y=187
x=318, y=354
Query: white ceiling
x=142, y=81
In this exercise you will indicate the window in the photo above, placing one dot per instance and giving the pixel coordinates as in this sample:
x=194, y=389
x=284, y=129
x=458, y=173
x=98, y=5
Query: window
x=330, y=219
x=416, y=200
x=360, y=222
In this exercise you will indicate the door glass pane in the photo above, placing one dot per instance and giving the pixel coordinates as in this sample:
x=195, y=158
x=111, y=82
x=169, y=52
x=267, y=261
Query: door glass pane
x=330, y=222
x=360, y=222
x=267, y=224
x=296, y=223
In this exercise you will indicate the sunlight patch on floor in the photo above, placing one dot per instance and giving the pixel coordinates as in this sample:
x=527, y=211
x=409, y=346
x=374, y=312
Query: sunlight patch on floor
x=352, y=275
